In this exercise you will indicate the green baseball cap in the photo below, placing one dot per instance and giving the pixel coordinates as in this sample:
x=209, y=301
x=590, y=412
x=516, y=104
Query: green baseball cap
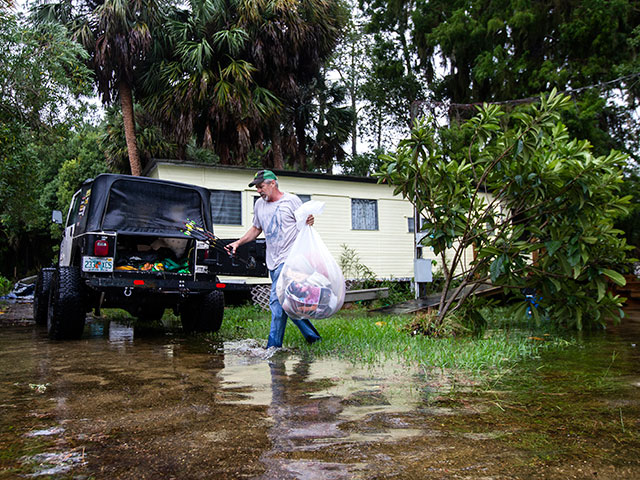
x=261, y=176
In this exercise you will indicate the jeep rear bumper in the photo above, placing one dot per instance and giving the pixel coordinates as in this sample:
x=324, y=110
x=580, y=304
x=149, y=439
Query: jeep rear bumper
x=162, y=285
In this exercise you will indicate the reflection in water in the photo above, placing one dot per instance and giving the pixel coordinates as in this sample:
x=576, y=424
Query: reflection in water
x=168, y=350
x=311, y=401
x=298, y=423
x=120, y=334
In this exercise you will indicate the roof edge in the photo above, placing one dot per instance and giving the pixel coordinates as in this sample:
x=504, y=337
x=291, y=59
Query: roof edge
x=153, y=165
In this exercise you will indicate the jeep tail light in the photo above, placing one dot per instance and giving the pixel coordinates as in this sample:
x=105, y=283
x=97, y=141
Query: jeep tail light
x=101, y=248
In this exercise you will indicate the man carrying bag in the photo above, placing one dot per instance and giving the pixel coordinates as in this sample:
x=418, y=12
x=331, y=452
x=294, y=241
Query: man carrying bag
x=274, y=215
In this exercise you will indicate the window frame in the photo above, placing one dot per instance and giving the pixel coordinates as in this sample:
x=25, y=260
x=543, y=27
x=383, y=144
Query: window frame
x=366, y=201
x=237, y=214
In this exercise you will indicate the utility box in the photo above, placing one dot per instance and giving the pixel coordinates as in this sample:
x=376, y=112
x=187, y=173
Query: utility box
x=422, y=270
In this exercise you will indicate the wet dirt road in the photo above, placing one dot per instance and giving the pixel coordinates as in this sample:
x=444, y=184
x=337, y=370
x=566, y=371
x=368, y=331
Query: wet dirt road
x=120, y=404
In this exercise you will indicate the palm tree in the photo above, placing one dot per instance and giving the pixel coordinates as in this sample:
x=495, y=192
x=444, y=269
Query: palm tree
x=333, y=125
x=225, y=70
x=199, y=83
x=288, y=49
x=117, y=36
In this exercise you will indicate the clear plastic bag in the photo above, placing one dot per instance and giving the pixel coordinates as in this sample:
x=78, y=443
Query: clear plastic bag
x=311, y=284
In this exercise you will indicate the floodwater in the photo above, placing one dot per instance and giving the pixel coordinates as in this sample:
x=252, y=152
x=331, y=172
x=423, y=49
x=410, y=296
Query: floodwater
x=124, y=404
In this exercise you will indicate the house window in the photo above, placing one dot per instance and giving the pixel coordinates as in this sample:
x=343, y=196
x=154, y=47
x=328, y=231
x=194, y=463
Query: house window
x=364, y=214
x=226, y=207
x=411, y=223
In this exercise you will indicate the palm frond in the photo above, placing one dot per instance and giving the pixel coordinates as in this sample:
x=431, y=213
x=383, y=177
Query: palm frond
x=232, y=40
x=238, y=71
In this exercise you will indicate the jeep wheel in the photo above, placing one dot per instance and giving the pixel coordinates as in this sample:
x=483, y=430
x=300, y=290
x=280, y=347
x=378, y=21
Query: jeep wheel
x=66, y=313
x=203, y=313
x=41, y=295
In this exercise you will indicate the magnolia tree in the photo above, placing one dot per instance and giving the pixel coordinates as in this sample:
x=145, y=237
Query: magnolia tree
x=535, y=206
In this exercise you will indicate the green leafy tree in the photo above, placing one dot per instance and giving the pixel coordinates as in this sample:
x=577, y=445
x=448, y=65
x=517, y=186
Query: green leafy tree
x=390, y=91
x=200, y=83
x=350, y=61
x=82, y=158
x=332, y=126
x=316, y=125
x=288, y=60
x=41, y=78
x=362, y=165
x=474, y=51
x=535, y=205
x=510, y=49
x=396, y=78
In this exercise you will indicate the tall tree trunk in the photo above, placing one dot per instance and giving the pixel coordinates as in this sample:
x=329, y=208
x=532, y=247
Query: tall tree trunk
x=354, y=128
x=276, y=147
x=224, y=153
x=207, y=139
x=181, y=151
x=353, y=87
x=128, y=118
x=301, y=134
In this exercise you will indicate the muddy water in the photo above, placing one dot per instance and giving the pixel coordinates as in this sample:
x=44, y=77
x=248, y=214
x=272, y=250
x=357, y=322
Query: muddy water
x=122, y=404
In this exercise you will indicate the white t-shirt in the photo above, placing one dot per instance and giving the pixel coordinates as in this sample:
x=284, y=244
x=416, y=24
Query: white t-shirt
x=278, y=223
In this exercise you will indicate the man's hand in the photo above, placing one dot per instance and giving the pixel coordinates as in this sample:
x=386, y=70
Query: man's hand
x=231, y=247
x=310, y=220
x=250, y=236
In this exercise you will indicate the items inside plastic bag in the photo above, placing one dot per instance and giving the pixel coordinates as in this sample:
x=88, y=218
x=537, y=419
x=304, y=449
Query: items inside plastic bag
x=311, y=284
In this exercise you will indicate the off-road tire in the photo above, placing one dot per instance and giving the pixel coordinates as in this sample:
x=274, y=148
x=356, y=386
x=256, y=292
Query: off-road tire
x=66, y=314
x=203, y=313
x=41, y=295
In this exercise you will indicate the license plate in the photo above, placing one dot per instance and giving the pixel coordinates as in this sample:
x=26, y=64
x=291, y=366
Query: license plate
x=97, y=264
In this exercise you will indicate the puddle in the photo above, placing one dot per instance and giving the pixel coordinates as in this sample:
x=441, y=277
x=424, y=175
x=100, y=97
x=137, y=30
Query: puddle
x=45, y=432
x=118, y=405
x=54, y=464
x=252, y=349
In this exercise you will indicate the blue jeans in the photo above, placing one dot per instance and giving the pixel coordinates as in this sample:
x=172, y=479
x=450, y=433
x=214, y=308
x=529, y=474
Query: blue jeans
x=279, y=317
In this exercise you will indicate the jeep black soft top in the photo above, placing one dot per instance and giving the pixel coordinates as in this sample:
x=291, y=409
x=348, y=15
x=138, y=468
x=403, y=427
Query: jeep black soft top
x=124, y=246
x=139, y=205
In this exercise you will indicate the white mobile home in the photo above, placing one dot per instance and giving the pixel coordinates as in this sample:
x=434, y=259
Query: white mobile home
x=358, y=212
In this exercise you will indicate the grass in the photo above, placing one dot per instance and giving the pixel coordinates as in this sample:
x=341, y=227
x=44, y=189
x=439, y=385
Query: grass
x=358, y=336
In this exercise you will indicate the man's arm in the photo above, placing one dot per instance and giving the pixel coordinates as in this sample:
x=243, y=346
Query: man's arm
x=249, y=236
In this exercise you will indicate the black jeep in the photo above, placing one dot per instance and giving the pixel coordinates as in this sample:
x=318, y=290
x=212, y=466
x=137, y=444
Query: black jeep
x=124, y=246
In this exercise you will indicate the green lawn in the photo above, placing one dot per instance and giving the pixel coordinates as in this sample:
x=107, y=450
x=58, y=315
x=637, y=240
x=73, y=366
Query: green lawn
x=362, y=337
